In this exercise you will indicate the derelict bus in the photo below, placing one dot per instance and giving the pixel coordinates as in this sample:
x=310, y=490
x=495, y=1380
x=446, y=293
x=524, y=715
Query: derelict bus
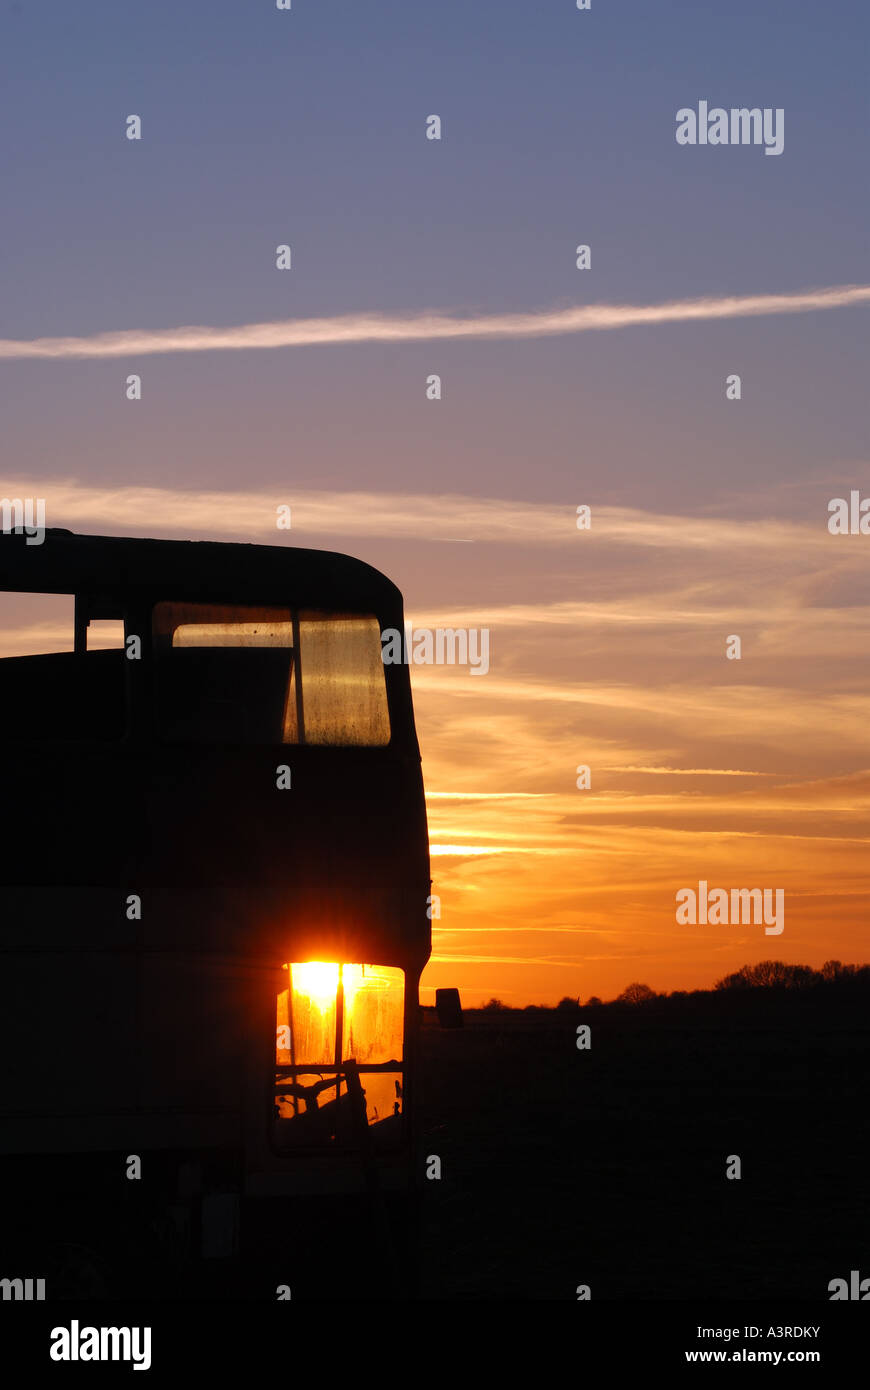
x=213, y=920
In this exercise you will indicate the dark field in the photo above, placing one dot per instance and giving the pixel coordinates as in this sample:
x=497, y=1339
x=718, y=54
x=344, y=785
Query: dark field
x=607, y=1167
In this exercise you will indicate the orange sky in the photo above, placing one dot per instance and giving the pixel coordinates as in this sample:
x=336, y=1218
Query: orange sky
x=749, y=773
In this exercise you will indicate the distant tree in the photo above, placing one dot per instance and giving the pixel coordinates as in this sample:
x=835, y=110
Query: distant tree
x=772, y=973
x=568, y=1003
x=801, y=976
x=678, y=994
x=495, y=1006
x=593, y=1001
x=836, y=970
x=637, y=994
x=768, y=974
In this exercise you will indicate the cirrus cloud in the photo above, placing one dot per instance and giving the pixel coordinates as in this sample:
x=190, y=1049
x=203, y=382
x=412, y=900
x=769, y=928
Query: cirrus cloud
x=343, y=329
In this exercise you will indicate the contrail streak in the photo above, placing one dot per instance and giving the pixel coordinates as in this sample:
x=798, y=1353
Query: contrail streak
x=372, y=328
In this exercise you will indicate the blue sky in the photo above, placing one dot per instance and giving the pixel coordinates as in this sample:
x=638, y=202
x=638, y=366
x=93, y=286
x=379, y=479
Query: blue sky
x=307, y=126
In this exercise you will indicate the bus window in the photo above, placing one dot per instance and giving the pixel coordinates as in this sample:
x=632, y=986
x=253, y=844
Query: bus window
x=36, y=624
x=105, y=634
x=48, y=690
x=330, y=1014
x=343, y=689
x=269, y=675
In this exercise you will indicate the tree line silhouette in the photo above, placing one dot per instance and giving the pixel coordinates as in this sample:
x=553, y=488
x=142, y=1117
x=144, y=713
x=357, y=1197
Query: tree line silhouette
x=772, y=976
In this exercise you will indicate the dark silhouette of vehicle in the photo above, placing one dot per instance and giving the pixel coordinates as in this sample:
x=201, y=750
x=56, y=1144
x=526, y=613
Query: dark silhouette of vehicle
x=213, y=919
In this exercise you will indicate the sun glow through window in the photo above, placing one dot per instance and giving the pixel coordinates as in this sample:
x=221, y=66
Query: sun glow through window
x=330, y=1015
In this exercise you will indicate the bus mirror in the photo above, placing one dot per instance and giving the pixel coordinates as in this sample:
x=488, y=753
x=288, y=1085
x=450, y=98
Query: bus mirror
x=449, y=1008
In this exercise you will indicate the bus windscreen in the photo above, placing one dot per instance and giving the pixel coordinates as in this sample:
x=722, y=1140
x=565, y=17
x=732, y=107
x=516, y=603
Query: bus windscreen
x=232, y=674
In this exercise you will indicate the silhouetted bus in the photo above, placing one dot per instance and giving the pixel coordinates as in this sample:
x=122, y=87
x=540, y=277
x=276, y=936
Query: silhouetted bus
x=213, y=919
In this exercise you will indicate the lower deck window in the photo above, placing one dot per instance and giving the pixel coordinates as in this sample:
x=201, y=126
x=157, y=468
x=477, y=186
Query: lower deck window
x=338, y=1053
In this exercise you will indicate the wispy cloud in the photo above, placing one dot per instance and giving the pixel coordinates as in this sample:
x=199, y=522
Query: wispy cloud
x=466, y=851
x=485, y=796
x=427, y=326
x=690, y=771
x=252, y=514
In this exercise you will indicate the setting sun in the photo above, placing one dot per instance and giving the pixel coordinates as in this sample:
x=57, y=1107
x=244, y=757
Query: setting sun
x=318, y=980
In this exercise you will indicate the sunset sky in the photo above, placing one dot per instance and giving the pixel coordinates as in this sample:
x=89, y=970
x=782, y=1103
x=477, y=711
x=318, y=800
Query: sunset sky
x=709, y=517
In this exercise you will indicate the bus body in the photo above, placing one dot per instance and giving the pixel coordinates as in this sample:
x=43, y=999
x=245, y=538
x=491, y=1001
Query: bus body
x=213, y=904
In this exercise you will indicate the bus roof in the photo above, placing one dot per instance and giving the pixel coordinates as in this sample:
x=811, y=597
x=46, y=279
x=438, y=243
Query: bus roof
x=209, y=571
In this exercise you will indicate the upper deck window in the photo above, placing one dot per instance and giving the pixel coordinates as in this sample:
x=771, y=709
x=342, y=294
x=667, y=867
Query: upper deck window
x=48, y=690
x=234, y=674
